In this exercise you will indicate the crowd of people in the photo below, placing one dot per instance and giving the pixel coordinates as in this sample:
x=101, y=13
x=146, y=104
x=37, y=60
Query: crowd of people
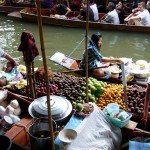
x=115, y=12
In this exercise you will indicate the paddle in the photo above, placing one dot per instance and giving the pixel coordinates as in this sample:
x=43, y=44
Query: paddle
x=76, y=70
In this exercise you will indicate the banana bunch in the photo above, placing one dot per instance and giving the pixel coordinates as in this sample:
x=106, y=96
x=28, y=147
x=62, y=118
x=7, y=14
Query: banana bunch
x=22, y=69
x=21, y=84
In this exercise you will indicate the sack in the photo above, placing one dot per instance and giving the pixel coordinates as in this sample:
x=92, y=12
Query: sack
x=139, y=143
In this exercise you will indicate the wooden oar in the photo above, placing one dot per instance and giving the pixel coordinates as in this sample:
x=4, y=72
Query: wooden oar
x=76, y=70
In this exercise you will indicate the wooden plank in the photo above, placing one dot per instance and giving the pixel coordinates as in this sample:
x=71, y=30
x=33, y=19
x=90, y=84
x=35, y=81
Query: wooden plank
x=131, y=125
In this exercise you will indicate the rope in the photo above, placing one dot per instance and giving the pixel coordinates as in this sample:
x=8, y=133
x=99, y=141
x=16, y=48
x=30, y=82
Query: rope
x=72, y=52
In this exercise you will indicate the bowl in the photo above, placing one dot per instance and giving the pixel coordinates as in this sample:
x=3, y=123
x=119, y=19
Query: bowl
x=67, y=135
x=115, y=75
x=113, y=108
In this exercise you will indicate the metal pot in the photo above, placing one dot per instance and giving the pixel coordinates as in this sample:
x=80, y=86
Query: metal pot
x=61, y=108
x=40, y=135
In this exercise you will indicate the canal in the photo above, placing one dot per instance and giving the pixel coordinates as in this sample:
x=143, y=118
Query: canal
x=66, y=40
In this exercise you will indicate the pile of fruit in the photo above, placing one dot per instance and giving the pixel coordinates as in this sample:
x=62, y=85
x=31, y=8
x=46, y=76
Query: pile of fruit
x=68, y=85
x=99, y=92
x=136, y=96
x=112, y=93
x=95, y=90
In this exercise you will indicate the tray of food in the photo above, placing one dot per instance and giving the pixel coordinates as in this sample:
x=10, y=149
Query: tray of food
x=84, y=109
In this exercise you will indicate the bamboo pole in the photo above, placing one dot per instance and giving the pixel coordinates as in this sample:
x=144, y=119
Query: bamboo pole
x=86, y=48
x=30, y=81
x=46, y=72
x=76, y=70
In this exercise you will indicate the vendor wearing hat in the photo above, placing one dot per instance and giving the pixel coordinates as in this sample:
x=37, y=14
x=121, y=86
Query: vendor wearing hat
x=95, y=59
x=112, y=16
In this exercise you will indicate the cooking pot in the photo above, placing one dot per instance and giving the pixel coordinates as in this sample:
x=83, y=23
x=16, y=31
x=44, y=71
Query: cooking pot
x=40, y=134
x=61, y=108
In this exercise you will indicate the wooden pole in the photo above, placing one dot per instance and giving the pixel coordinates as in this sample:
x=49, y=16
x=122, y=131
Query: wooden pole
x=30, y=81
x=124, y=86
x=86, y=48
x=46, y=73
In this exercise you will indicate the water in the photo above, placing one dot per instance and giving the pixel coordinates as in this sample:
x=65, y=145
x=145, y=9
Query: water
x=42, y=134
x=66, y=40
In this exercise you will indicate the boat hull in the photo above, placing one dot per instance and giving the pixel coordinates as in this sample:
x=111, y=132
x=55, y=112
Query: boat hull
x=31, y=15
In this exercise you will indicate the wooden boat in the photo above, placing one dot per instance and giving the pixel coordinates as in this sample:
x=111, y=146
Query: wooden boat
x=18, y=133
x=6, y=8
x=30, y=15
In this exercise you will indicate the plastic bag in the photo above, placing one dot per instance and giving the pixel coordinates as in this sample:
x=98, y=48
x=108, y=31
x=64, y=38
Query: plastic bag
x=96, y=132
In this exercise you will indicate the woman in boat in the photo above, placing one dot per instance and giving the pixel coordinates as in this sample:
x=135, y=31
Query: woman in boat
x=95, y=59
x=140, y=16
x=9, y=67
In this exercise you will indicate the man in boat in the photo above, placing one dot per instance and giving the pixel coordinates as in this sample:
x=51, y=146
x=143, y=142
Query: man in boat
x=83, y=12
x=140, y=16
x=61, y=9
x=95, y=59
x=112, y=16
x=94, y=8
x=121, y=15
x=8, y=57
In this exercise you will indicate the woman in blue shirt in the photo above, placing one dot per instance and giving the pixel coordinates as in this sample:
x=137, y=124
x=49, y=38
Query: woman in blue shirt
x=95, y=59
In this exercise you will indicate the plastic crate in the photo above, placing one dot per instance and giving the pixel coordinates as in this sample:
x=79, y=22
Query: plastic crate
x=117, y=122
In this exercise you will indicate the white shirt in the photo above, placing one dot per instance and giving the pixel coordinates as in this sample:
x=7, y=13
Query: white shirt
x=2, y=53
x=145, y=17
x=95, y=11
x=112, y=17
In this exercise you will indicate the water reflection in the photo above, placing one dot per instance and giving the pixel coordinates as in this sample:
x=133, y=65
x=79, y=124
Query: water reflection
x=66, y=40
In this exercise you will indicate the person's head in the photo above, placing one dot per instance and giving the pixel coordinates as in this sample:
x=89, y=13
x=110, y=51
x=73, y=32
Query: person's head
x=96, y=40
x=83, y=4
x=9, y=66
x=119, y=9
x=141, y=6
x=120, y=4
x=111, y=6
x=56, y=3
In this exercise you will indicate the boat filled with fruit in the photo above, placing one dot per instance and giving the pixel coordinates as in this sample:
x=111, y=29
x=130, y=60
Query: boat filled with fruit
x=70, y=91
